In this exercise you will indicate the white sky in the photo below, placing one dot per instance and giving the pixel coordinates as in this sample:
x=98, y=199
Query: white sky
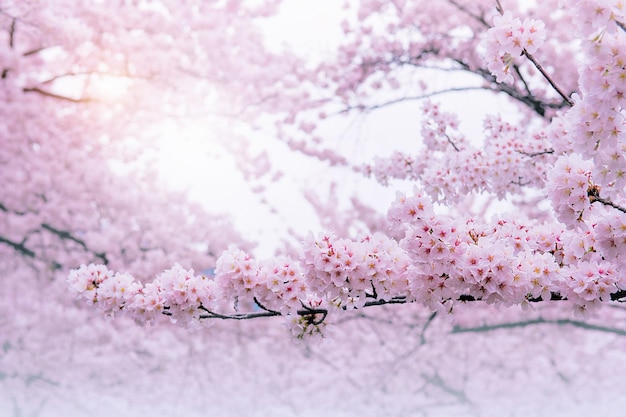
x=312, y=28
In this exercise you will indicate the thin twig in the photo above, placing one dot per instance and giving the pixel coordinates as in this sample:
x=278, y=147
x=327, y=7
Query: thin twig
x=561, y=322
x=543, y=72
x=411, y=98
x=533, y=154
x=606, y=202
x=57, y=96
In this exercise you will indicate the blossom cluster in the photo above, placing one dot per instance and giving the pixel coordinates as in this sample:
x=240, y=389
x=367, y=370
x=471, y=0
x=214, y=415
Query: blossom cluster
x=176, y=293
x=568, y=188
x=450, y=168
x=507, y=39
x=348, y=272
x=437, y=262
x=397, y=165
x=595, y=125
x=275, y=285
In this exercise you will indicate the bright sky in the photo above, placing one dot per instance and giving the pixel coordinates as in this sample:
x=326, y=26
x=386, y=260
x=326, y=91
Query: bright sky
x=310, y=27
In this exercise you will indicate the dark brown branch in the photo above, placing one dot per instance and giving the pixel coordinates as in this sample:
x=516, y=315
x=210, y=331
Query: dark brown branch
x=312, y=313
x=522, y=79
x=239, y=316
x=452, y=143
x=57, y=96
x=536, y=105
x=499, y=7
x=533, y=154
x=262, y=307
x=35, y=51
x=547, y=76
x=12, y=34
x=606, y=202
x=618, y=296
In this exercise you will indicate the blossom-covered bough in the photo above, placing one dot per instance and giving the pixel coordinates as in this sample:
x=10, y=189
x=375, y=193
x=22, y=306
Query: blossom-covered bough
x=575, y=254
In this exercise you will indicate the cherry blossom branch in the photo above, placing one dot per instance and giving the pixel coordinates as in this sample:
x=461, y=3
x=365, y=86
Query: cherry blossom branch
x=305, y=311
x=528, y=55
x=539, y=67
x=312, y=312
x=529, y=100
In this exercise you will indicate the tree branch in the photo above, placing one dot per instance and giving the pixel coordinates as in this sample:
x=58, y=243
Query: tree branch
x=18, y=247
x=411, y=98
x=560, y=322
x=606, y=202
x=547, y=76
x=63, y=234
x=57, y=96
x=12, y=34
x=533, y=154
x=312, y=312
x=262, y=307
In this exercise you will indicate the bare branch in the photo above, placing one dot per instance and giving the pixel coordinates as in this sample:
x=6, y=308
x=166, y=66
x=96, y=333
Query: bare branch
x=411, y=98
x=12, y=34
x=425, y=327
x=606, y=202
x=499, y=7
x=57, y=96
x=63, y=234
x=560, y=322
x=312, y=313
x=439, y=383
x=18, y=247
x=533, y=154
x=464, y=9
x=262, y=307
x=548, y=77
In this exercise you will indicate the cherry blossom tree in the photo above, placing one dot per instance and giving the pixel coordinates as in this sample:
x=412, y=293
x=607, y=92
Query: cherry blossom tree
x=503, y=263
x=572, y=252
